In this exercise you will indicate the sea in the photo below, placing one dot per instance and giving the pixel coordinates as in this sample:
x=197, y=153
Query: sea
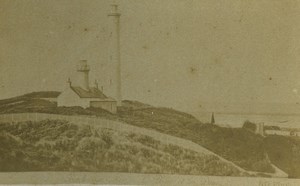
x=236, y=120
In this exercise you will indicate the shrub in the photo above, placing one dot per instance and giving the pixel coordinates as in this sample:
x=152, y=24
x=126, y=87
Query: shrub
x=249, y=125
x=90, y=143
x=263, y=166
x=107, y=137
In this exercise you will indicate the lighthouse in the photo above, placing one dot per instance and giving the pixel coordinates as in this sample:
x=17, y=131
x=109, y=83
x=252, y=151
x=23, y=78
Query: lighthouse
x=114, y=55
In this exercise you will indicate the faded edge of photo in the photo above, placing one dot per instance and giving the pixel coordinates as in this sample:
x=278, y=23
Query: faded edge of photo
x=87, y=178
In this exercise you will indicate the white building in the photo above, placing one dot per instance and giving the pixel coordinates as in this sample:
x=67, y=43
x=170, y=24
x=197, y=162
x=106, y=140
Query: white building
x=282, y=132
x=83, y=95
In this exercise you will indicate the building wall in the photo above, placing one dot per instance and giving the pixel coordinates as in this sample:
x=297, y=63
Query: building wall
x=294, y=133
x=260, y=129
x=69, y=98
x=278, y=132
x=110, y=106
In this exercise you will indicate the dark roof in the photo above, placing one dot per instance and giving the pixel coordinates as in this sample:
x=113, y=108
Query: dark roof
x=91, y=93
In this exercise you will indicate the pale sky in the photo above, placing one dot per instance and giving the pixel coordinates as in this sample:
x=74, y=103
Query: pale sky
x=175, y=53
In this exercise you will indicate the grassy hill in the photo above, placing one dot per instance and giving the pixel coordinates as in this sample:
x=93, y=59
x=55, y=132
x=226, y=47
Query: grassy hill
x=240, y=146
x=237, y=145
x=54, y=145
x=284, y=152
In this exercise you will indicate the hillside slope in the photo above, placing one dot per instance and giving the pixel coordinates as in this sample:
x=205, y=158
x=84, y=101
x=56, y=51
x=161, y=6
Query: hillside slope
x=240, y=146
x=237, y=145
x=284, y=152
x=57, y=145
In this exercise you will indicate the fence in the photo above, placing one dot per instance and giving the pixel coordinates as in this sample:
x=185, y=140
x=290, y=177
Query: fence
x=114, y=125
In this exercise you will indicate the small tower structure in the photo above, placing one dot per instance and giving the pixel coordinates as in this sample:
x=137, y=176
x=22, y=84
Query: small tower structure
x=212, y=121
x=69, y=82
x=260, y=129
x=83, y=69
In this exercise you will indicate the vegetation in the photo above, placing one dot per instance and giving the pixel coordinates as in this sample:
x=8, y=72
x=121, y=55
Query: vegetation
x=30, y=96
x=42, y=94
x=284, y=152
x=54, y=145
x=44, y=106
x=250, y=126
x=237, y=145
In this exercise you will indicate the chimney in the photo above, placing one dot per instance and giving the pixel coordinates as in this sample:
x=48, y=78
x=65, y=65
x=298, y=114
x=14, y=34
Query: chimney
x=83, y=69
x=212, y=121
x=115, y=56
x=96, y=84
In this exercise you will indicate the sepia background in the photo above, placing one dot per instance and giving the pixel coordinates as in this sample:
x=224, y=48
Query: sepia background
x=238, y=58
x=190, y=55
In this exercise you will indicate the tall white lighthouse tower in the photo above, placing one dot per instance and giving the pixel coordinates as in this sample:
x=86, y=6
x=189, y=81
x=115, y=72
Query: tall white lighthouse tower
x=114, y=55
